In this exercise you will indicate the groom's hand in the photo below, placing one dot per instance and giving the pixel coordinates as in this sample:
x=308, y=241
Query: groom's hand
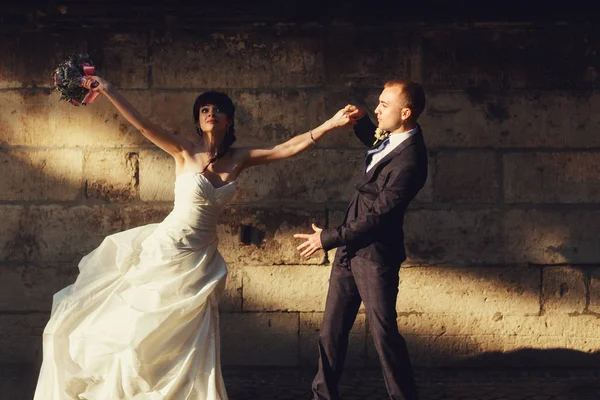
x=312, y=243
x=355, y=112
x=347, y=116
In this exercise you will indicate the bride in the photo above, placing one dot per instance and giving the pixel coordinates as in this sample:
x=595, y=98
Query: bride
x=141, y=320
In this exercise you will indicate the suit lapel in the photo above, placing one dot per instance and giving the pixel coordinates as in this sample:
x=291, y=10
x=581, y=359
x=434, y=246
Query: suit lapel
x=366, y=178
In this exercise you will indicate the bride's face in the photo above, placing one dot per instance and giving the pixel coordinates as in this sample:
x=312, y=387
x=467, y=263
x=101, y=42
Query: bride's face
x=213, y=120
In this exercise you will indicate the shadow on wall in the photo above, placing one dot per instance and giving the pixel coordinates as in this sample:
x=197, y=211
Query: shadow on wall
x=533, y=358
x=492, y=236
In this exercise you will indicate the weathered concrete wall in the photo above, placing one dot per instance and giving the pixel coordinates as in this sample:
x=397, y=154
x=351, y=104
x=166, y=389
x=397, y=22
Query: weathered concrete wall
x=502, y=242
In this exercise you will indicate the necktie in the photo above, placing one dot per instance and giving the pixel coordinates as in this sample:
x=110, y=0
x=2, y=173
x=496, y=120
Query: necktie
x=374, y=151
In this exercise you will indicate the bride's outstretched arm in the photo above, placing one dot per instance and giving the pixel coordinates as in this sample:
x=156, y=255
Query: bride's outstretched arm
x=299, y=143
x=164, y=139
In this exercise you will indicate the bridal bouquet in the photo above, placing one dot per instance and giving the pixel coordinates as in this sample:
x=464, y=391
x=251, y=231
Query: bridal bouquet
x=68, y=79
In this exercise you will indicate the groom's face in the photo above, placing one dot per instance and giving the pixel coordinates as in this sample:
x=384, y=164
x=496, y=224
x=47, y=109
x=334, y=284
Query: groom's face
x=390, y=110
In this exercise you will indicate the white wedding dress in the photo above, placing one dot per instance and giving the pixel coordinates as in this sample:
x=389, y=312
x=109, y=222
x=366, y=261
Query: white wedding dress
x=141, y=320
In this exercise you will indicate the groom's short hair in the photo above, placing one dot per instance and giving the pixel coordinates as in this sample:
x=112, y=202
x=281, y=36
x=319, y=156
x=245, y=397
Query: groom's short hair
x=413, y=93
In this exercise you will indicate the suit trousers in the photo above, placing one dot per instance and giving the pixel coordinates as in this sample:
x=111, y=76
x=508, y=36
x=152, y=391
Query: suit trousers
x=377, y=287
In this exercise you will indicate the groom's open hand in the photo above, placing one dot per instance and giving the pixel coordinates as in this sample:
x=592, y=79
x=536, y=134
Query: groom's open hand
x=312, y=243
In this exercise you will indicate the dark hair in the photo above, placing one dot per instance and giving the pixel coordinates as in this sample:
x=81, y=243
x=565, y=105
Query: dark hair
x=414, y=96
x=224, y=103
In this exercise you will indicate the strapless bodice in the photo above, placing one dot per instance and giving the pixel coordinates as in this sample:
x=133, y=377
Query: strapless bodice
x=197, y=202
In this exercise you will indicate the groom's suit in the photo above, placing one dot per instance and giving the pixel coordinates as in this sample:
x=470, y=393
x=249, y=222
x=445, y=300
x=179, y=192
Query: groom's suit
x=370, y=245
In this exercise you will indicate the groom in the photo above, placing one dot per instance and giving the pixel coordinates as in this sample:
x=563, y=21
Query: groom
x=370, y=242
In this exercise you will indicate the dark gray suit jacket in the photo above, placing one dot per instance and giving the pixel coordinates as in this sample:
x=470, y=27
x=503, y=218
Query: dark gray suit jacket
x=373, y=225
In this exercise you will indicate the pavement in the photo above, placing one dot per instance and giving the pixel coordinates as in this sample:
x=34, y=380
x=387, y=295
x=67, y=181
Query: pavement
x=434, y=384
x=18, y=383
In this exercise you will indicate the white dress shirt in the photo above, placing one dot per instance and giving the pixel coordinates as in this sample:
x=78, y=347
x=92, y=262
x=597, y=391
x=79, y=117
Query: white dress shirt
x=395, y=140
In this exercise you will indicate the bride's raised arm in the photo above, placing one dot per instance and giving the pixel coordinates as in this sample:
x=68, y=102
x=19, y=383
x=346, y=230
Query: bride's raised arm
x=172, y=144
x=299, y=143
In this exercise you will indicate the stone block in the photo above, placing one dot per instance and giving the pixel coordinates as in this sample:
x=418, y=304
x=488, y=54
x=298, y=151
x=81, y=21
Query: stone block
x=595, y=290
x=590, y=345
x=21, y=337
x=581, y=326
x=369, y=57
x=231, y=299
x=310, y=326
x=173, y=110
x=456, y=350
x=493, y=339
x=122, y=58
x=531, y=62
x=482, y=118
x=157, y=176
x=15, y=241
x=552, y=236
x=500, y=58
x=111, y=175
x=22, y=113
x=466, y=177
x=31, y=287
x=18, y=381
x=268, y=118
x=456, y=120
x=251, y=59
x=453, y=237
x=524, y=343
x=40, y=175
x=540, y=326
x=30, y=58
x=295, y=180
x=55, y=233
x=132, y=216
x=259, y=339
x=270, y=233
x=564, y=290
x=439, y=351
x=65, y=233
x=461, y=58
x=551, y=177
x=447, y=290
x=286, y=288
x=466, y=324
x=426, y=194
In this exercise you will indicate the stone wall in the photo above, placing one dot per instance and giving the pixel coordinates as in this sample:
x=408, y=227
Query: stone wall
x=502, y=242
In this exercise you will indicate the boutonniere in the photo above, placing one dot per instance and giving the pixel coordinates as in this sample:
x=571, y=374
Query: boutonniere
x=380, y=136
